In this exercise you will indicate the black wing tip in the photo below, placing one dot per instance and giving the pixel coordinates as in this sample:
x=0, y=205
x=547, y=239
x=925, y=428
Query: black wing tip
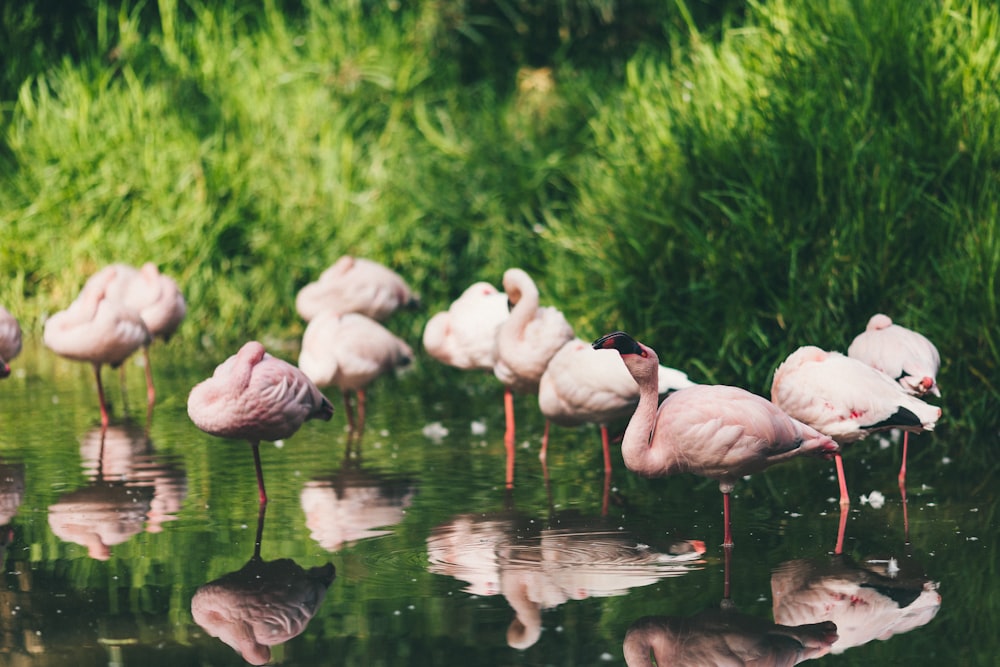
x=902, y=418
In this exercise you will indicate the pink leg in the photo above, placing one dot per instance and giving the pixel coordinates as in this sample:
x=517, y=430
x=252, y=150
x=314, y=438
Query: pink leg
x=902, y=468
x=845, y=499
x=361, y=410
x=839, y=549
x=545, y=443
x=150, y=389
x=607, y=450
x=607, y=492
x=728, y=539
x=100, y=397
x=260, y=473
x=348, y=410
x=508, y=436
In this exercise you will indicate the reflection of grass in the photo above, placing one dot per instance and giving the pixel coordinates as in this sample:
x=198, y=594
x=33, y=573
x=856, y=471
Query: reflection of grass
x=768, y=187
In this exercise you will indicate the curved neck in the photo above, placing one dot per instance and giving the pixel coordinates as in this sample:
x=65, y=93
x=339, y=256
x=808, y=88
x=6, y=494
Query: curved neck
x=636, y=443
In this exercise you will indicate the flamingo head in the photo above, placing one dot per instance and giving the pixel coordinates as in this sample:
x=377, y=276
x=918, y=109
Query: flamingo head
x=878, y=321
x=620, y=341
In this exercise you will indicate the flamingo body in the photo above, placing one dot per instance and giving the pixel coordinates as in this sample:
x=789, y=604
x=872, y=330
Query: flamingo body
x=350, y=351
x=355, y=285
x=10, y=340
x=464, y=336
x=254, y=396
x=583, y=385
x=845, y=398
x=903, y=354
x=96, y=328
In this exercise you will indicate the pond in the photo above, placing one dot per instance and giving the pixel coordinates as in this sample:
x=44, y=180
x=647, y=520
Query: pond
x=406, y=548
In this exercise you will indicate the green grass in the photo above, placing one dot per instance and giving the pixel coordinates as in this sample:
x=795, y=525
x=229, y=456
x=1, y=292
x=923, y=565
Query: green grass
x=725, y=187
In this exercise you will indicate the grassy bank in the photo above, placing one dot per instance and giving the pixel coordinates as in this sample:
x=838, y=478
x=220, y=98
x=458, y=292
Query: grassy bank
x=726, y=191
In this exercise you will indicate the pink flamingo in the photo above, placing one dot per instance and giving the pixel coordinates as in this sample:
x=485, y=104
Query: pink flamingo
x=715, y=431
x=350, y=351
x=583, y=385
x=902, y=354
x=253, y=396
x=846, y=399
x=355, y=285
x=96, y=329
x=526, y=342
x=464, y=336
x=10, y=340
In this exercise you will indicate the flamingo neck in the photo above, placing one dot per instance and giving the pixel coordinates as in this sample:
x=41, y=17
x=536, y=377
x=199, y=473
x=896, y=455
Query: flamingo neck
x=638, y=438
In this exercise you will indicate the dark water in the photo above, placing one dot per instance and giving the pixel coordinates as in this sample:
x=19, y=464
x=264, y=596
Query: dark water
x=406, y=549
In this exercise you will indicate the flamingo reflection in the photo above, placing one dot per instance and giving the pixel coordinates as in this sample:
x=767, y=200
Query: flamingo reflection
x=724, y=636
x=875, y=599
x=125, y=452
x=574, y=558
x=11, y=496
x=263, y=604
x=130, y=489
x=354, y=504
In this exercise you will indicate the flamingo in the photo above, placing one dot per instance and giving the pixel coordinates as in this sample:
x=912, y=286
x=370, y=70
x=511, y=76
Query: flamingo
x=526, y=342
x=355, y=285
x=586, y=385
x=96, y=329
x=350, y=351
x=715, y=431
x=157, y=299
x=902, y=354
x=10, y=340
x=254, y=396
x=464, y=336
x=846, y=399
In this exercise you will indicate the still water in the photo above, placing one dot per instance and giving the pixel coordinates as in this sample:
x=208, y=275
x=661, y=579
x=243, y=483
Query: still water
x=405, y=547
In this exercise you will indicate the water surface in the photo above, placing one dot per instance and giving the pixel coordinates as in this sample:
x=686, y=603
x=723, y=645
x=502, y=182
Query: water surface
x=405, y=547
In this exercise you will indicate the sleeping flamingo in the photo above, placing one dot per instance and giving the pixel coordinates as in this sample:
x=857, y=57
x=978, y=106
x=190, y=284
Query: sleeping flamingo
x=526, y=342
x=465, y=335
x=715, y=431
x=10, y=340
x=586, y=385
x=846, y=399
x=154, y=296
x=350, y=351
x=355, y=285
x=904, y=355
x=97, y=329
x=253, y=396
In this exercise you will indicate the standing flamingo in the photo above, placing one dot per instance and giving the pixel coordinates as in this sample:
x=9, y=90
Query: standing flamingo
x=97, y=329
x=715, y=431
x=350, y=351
x=902, y=354
x=355, y=285
x=465, y=335
x=846, y=399
x=10, y=340
x=526, y=342
x=586, y=385
x=253, y=396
